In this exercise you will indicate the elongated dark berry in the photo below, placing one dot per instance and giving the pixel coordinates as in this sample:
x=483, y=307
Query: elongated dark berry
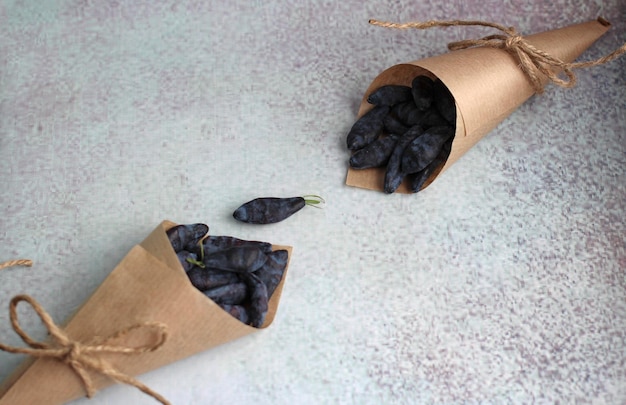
x=205, y=279
x=407, y=113
x=367, y=128
x=269, y=210
x=432, y=118
x=273, y=269
x=231, y=294
x=394, y=174
x=417, y=180
x=425, y=148
x=257, y=300
x=244, y=259
x=375, y=154
x=422, y=92
x=392, y=125
x=237, y=311
x=215, y=243
x=390, y=94
x=185, y=237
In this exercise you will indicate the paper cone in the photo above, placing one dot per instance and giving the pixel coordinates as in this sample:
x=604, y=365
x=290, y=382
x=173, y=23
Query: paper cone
x=487, y=85
x=149, y=284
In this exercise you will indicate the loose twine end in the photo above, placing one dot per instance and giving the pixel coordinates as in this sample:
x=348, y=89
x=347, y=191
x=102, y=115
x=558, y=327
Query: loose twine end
x=534, y=62
x=82, y=357
x=19, y=262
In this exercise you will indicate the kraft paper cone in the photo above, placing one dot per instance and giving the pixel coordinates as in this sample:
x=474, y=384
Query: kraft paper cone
x=486, y=83
x=149, y=284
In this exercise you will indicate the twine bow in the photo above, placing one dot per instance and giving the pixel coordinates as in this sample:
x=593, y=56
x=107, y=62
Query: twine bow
x=82, y=357
x=534, y=62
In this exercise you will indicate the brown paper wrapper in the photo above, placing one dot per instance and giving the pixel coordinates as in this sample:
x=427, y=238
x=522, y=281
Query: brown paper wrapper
x=148, y=285
x=487, y=85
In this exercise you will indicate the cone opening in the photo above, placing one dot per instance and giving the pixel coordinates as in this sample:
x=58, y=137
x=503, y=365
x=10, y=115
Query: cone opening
x=403, y=75
x=604, y=21
x=228, y=317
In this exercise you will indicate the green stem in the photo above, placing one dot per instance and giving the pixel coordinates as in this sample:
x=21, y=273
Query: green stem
x=196, y=262
x=201, y=249
x=313, y=200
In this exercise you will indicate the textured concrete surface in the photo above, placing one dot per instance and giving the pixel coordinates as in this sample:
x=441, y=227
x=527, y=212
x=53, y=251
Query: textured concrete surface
x=503, y=282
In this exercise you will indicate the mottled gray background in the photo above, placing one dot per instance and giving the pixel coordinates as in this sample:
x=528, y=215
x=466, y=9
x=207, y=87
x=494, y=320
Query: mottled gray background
x=504, y=282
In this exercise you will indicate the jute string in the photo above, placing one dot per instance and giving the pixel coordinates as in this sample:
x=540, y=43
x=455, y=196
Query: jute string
x=82, y=357
x=19, y=262
x=534, y=62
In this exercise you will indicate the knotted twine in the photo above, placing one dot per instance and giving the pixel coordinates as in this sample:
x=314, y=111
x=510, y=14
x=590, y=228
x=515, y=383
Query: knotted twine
x=81, y=356
x=534, y=62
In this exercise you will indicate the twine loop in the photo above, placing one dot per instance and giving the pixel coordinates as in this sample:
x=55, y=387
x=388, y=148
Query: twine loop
x=83, y=357
x=535, y=63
